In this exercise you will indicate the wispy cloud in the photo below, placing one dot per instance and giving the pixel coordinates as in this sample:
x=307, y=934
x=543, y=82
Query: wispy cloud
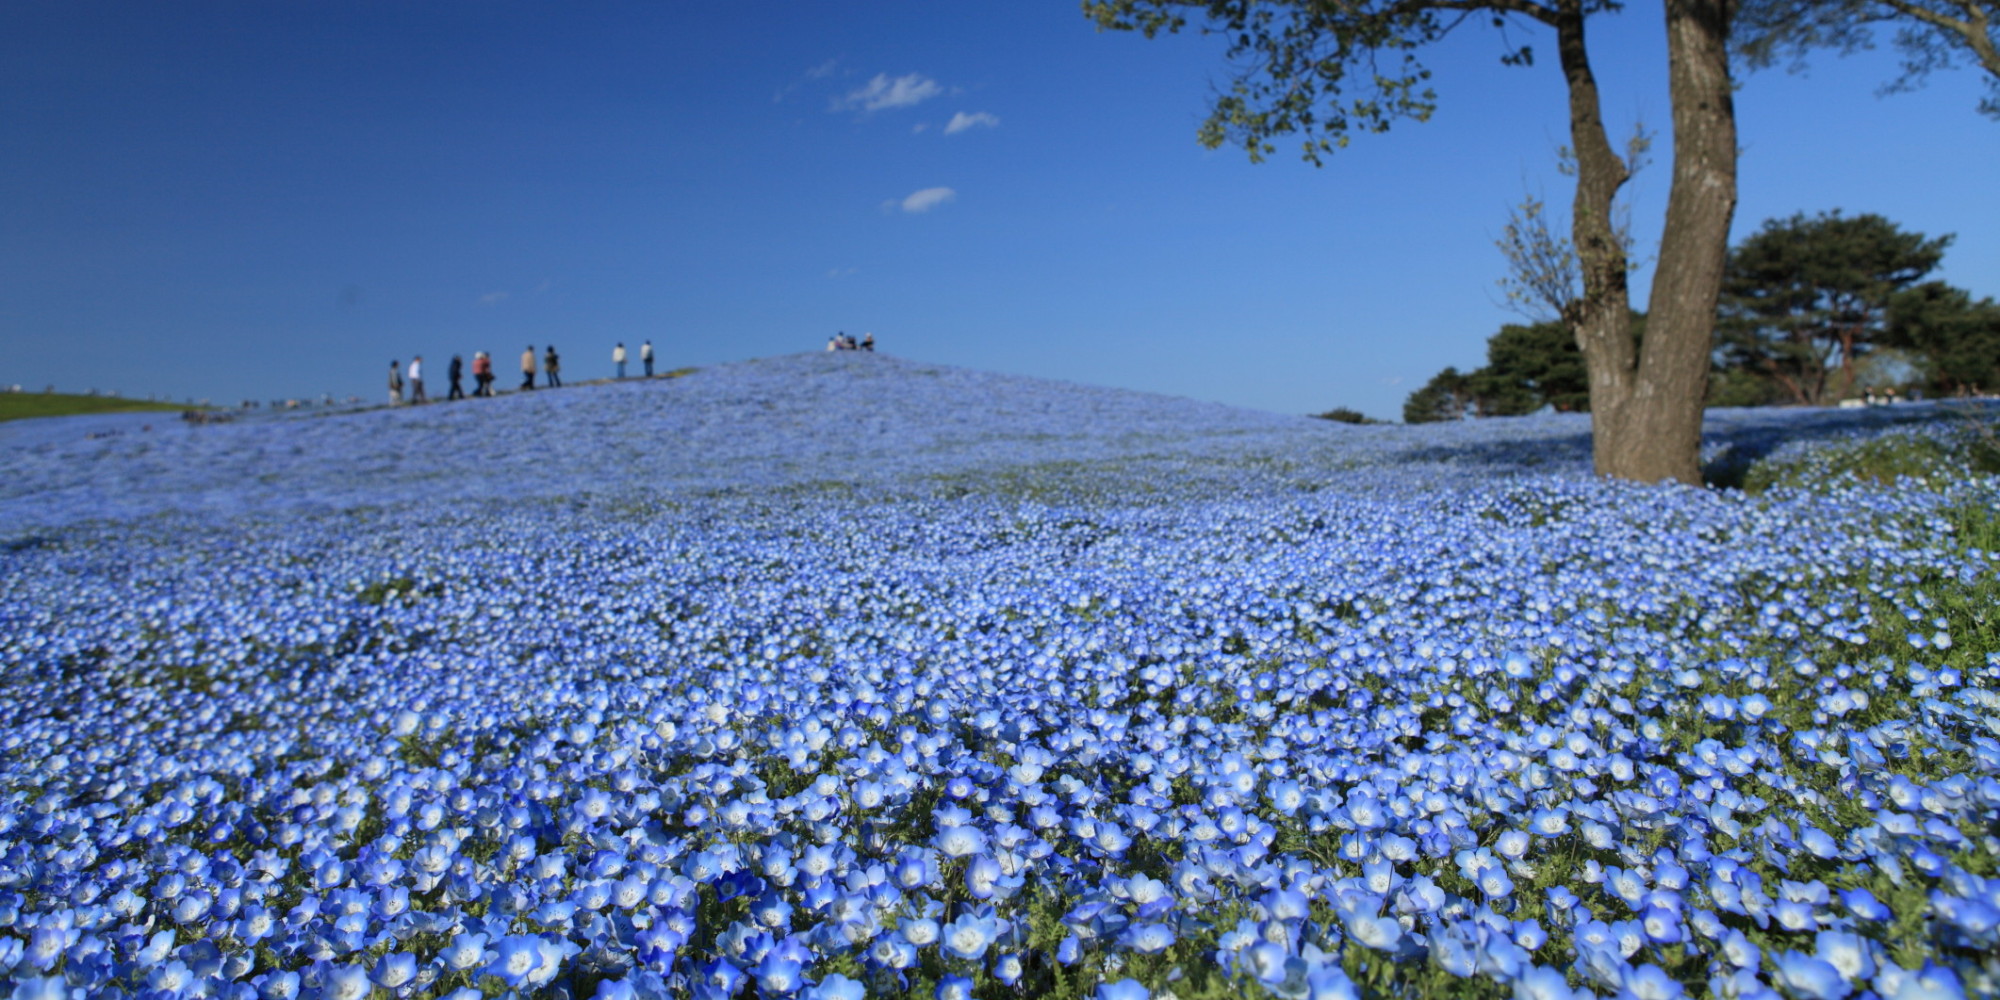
x=883, y=93
x=978, y=119
x=843, y=272
x=927, y=199
x=819, y=72
x=492, y=298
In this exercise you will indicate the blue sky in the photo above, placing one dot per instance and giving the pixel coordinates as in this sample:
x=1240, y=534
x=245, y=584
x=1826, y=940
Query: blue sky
x=263, y=200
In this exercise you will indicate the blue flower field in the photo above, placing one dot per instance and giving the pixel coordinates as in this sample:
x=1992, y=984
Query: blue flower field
x=841, y=676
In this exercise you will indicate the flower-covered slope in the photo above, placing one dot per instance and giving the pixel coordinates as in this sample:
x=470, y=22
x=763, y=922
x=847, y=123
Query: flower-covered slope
x=832, y=676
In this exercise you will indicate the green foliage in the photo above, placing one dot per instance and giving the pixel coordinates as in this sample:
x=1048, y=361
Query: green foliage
x=1928, y=458
x=1804, y=295
x=404, y=589
x=1529, y=367
x=1742, y=387
x=22, y=405
x=1346, y=415
x=1319, y=70
x=1300, y=57
x=1959, y=338
x=1447, y=396
x=1931, y=34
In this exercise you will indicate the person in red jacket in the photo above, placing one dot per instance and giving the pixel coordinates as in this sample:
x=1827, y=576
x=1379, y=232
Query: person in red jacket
x=482, y=374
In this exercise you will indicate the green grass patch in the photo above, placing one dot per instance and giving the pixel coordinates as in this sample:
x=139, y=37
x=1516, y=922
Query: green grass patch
x=1933, y=457
x=23, y=405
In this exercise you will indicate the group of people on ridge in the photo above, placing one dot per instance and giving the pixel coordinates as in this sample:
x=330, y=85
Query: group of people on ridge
x=550, y=368
x=842, y=341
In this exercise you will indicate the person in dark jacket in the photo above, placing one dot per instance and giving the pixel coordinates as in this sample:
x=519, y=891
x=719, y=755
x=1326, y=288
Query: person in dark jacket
x=455, y=373
x=552, y=368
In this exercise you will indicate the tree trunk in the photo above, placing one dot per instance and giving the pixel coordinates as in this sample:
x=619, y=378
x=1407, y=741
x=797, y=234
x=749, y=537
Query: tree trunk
x=1654, y=434
x=1601, y=321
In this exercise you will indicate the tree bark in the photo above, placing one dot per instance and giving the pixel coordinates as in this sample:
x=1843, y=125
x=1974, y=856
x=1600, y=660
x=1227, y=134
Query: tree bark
x=1654, y=434
x=1601, y=320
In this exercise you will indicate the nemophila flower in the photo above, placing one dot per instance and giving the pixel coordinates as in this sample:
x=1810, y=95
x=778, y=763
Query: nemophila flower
x=393, y=970
x=512, y=782
x=982, y=875
x=1266, y=961
x=45, y=946
x=1793, y=915
x=969, y=936
x=615, y=989
x=1542, y=983
x=280, y=985
x=720, y=978
x=1069, y=950
x=1661, y=926
x=41, y=988
x=1806, y=976
x=464, y=951
x=514, y=957
x=1147, y=939
x=959, y=841
x=778, y=975
x=1123, y=989
x=1379, y=933
x=345, y=982
x=1932, y=982
x=893, y=952
x=1009, y=968
x=1851, y=954
x=835, y=987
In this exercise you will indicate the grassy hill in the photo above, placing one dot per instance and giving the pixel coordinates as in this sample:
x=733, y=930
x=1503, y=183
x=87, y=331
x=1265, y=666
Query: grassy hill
x=22, y=405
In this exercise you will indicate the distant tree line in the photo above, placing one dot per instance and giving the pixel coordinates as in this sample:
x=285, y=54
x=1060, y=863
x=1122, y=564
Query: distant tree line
x=1813, y=310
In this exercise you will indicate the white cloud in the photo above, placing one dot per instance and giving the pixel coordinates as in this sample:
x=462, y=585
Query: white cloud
x=882, y=93
x=816, y=73
x=843, y=272
x=978, y=119
x=492, y=298
x=928, y=198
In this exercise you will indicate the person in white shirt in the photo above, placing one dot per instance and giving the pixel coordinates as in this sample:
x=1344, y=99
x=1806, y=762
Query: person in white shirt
x=618, y=358
x=417, y=380
x=646, y=357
